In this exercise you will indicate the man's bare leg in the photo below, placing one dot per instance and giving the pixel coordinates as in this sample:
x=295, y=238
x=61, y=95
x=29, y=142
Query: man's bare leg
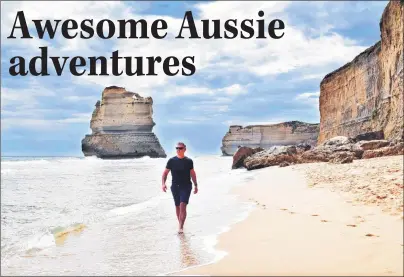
x=177, y=211
x=183, y=216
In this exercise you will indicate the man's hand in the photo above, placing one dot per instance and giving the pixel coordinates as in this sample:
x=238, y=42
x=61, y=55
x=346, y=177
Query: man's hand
x=195, y=190
x=164, y=187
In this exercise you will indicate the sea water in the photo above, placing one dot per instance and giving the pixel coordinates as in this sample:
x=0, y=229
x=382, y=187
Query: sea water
x=88, y=216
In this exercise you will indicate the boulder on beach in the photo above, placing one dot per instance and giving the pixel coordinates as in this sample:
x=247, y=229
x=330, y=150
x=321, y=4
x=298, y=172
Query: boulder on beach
x=241, y=154
x=338, y=150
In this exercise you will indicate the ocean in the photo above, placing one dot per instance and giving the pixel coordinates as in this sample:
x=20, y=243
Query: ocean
x=88, y=216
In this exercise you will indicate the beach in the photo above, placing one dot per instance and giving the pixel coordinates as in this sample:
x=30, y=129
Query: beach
x=110, y=217
x=88, y=216
x=317, y=219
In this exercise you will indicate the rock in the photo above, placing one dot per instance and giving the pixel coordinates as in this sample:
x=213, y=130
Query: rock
x=302, y=147
x=270, y=160
x=273, y=156
x=397, y=149
x=241, y=154
x=372, y=144
x=342, y=157
x=315, y=155
x=337, y=141
x=338, y=150
x=266, y=136
x=122, y=126
x=366, y=95
x=276, y=150
x=377, y=135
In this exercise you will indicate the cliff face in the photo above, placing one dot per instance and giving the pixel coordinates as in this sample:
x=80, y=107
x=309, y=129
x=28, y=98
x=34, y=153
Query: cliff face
x=265, y=136
x=366, y=95
x=122, y=126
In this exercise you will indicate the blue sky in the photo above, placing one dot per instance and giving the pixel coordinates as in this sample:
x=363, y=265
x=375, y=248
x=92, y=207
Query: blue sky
x=236, y=82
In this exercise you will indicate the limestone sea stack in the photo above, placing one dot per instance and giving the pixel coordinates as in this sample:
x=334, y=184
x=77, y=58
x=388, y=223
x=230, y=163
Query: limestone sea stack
x=366, y=95
x=122, y=126
x=266, y=136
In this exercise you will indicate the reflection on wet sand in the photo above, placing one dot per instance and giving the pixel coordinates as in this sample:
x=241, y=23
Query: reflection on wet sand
x=60, y=237
x=188, y=257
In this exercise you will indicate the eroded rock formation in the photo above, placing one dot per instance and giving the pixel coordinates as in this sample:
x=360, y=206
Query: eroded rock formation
x=335, y=150
x=122, y=126
x=366, y=94
x=266, y=136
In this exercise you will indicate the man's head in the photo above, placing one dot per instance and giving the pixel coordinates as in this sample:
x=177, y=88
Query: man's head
x=181, y=148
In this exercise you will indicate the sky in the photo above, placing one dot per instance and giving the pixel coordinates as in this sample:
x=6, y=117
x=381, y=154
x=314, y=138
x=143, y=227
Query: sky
x=241, y=82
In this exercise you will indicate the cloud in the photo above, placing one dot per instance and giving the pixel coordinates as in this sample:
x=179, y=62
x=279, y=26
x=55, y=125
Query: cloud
x=236, y=81
x=80, y=98
x=310, y=98
x=235, y=89
x=245, y=122
x=232, y=90
x=39, y=123
x=210, y=108
x=25, y=96
x=60, y=10
x=295, y=51
x=190, y=120
x=307, y=95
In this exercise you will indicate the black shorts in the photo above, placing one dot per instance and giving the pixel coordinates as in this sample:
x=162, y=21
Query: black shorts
x=181, y=194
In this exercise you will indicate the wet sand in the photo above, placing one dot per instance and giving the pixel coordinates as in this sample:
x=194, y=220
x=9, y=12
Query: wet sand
x=302, y=228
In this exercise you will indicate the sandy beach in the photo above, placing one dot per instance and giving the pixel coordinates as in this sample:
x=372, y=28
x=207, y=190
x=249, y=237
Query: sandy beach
x=318, y=219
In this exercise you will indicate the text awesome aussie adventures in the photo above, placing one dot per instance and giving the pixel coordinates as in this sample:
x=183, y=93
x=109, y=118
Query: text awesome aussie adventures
x=127, y=29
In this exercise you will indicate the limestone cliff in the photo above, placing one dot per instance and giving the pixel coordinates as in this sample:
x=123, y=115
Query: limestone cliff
x=122, y=126
x=265, y=136
x=366, y=95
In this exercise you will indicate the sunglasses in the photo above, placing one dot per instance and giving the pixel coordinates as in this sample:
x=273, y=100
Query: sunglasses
x=179, y=148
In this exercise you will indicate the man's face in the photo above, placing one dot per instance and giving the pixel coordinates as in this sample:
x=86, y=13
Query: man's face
x=180, y=148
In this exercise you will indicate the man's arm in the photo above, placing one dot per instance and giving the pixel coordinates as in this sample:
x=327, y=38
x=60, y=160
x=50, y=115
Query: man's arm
x=164, y=179
x=193, y=176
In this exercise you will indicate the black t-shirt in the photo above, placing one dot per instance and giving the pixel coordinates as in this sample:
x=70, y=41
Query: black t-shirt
x=180, y=171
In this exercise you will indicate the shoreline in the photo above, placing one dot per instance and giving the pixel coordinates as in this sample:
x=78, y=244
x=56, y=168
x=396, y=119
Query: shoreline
x=298, y=228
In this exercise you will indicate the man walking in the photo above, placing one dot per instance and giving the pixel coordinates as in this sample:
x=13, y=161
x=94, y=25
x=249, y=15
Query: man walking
x=182, y=170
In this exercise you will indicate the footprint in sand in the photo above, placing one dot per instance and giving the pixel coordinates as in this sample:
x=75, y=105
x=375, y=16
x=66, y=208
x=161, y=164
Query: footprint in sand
x=351, y=225
x=371, y=235
x=323, y=220
x=358, y=218
x=314, y=215
x=283, y=209
x=292, y=212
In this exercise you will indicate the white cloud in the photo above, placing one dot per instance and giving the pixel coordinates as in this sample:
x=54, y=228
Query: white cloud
x=53, y=10
x=295, y=51
x=235, y=89
x=24, y=96
x=210, y=108
x=176, y=91
x=245, y=122
x=40, y=123
x=307, y=56
x=81, y=98
x=310, y=98
x=232, y=90
x=306, y=95
x=311, y=77
x=190, y=120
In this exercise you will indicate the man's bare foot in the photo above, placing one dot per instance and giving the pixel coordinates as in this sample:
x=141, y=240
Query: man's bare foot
x=180, y=231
